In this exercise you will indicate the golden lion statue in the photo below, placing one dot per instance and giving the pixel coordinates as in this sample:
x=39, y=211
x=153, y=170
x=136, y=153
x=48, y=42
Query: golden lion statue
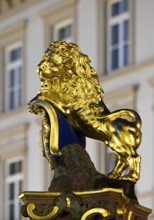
x=71, y=85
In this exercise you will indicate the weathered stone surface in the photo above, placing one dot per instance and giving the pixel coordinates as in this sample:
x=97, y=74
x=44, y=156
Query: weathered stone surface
x=76, y=172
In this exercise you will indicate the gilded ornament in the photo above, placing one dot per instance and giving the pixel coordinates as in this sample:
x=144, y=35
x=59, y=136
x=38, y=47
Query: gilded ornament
x=104, y=213
x=32, y=215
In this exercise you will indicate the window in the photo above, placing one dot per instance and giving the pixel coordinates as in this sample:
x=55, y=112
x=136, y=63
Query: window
x=59, y=22
x=118, y=34
x=13, y=76
x=63, y=31
x=13, y=184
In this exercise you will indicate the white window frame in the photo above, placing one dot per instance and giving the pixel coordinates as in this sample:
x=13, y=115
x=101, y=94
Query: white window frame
x=119, y=19
x=14, y=178
x=8, y=67
x=60, y=25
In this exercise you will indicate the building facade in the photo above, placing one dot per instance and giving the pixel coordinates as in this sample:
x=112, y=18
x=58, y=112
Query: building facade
x=118, y=39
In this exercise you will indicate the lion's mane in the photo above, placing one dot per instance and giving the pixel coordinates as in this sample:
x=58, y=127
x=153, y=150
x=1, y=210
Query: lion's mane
x=69, y=76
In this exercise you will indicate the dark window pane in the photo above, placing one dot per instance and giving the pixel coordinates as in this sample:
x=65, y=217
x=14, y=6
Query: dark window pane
x=18, y=167
x=12, y=168
x=125, y=55
x=11, y=106
x=20, y=187
x=11, y=191
x=115, y=10
x=19, y=98
x=15, y=167
x=20, y=74
x=15, y=54
x=12, y=78
x=125, y=5
x=11, y=212
x=115, y=34
x=61, y=34
x=115, y=59
x=64, y=32
x=126, y=30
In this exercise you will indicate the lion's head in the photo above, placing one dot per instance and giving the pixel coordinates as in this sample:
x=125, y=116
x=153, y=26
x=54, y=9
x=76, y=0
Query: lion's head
x=65, y=73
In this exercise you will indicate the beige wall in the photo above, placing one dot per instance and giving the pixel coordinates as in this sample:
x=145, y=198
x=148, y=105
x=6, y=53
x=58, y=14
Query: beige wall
x=131, y=87
x=144, y=32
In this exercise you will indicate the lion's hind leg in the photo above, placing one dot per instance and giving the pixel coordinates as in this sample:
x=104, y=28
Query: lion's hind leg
x=132, y=163
x=134, y=168
x=121, y=165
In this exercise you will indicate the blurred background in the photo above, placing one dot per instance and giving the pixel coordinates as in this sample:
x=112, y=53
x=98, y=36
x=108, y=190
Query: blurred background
x=118, y=36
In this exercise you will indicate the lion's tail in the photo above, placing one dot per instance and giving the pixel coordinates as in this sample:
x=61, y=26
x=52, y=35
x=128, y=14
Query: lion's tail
x=130, y=115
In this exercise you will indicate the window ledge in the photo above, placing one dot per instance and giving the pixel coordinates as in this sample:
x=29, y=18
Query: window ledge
x=12, y=113
x=129, y=70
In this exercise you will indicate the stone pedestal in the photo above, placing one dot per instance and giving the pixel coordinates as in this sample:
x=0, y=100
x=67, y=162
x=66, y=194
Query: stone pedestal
x=79, y=192
x=107, y=203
